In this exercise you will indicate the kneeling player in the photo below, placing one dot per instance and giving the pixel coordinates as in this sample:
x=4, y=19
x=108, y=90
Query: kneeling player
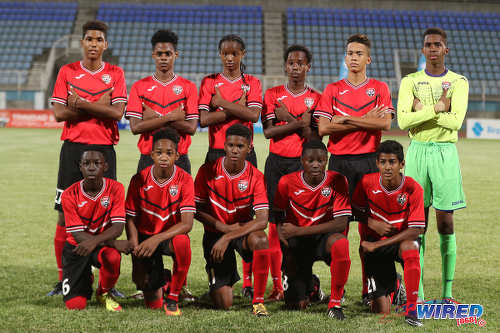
x=393, y=209
x=160, y=209
x=311, y=208
x=95, y=216
x=228, y=192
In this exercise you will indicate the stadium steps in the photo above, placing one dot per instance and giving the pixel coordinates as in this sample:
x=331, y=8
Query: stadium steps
x=273, y=42
x=83, y=15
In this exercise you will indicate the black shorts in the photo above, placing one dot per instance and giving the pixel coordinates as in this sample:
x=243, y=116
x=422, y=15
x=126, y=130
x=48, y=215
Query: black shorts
x=77, y=272
x=69, y=166
x=381, y=270
x=276, y=167
x=298, y=259
x=148, y=273
x=353, y=167
x=146, y=160
x=213, y=154
x=224, y=273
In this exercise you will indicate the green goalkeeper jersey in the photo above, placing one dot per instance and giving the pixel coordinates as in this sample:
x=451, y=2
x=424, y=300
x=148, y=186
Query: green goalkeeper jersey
x=426, y=125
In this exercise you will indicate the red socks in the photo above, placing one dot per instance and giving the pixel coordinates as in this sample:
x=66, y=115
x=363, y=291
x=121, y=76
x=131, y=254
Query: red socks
x=260, y=263
x=59, y=240
x=276, y=257
x=247, y=273
x=411, y=272
x=76, y=303
x=339, y=269
x=109, y=272
x=182, y=252
x=156, y=304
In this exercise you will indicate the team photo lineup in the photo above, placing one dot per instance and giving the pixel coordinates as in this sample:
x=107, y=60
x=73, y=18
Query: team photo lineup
x=280, y=218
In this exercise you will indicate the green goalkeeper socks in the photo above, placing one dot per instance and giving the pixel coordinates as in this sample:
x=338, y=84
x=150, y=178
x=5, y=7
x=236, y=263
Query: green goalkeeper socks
x=449, y=257
x=421, y=284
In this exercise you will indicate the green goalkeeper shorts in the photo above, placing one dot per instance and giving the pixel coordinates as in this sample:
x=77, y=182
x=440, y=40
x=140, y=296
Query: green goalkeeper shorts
x=435, y=166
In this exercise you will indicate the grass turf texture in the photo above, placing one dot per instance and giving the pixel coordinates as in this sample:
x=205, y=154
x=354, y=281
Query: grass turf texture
x=29, y=162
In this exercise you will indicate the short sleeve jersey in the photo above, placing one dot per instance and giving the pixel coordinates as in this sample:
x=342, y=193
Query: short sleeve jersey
x=230, y=199
x=297, y=104
x=158, y=206
x=231, y=90
x=341, y=98
x=402, y=207
x=84, y=213
x=305, y=205
x=163, y=97
x=90, y=86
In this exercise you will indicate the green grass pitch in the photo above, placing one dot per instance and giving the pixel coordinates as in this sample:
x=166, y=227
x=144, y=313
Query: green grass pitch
x=29, y=161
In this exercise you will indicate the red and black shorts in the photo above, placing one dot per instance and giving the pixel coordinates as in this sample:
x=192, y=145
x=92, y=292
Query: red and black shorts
x=380, y=270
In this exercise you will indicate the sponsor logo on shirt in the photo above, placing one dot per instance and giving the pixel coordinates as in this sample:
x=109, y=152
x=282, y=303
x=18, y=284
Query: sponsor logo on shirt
x=343, y=92
x=147, y=188
x=79, y=76
x=81, y=204
x=298, y=192
x=217, y=85
x=376, y=191
x=282, y=98
x=152, y=88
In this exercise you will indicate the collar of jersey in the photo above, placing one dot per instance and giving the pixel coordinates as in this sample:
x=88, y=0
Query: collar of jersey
x=309, y=186
x=440, y=75
x=165, y=182
x=393, y=191
x=356, y=86
x=98, y=194
x=229, y=80
x=227, y=173
x=164, y=83
x=89, y=71
x=306, y=88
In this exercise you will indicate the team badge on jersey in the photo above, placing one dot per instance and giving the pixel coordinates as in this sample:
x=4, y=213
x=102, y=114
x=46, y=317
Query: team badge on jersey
x=402, y=197
x=177, y=90
x=309, y=102
x=245, y=87
x=106, y=78
x=105, y=202
x=242, y=185
x=446, y=85
x=370, y=92
x=173, y=190
x=326, y=191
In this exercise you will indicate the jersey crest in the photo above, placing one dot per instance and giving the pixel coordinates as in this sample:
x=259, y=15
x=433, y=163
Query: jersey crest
x=177, y=90
x=105, y=202
x=242, y=185
x=173, y=190
x=309, y=102
x=370, y=92
x=106, y=78
x=326, y=191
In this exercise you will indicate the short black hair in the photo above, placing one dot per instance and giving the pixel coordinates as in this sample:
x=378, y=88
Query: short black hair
x=239, y=130
x=435, y=31
x=391, y=147
x=314, y=144
x=95, y=25
x=165, y=36
x=93, y=148
x=168, y=133
x=359, y=38
x=300, y=48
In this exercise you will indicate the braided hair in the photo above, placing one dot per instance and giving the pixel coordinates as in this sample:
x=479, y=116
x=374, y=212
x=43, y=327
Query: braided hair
x=239, y=40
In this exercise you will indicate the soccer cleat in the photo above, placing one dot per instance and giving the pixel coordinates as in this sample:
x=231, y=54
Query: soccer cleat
x=365, y=300
x=109, y=302
x=317, y=295
x=247, y=292
x=336, y=312
x=172, y=308
x=276, y=295
x=186, y=295
x=57, y=289
x=412, y=319
x=116, y=293
x=399, y=298
x=137, y=295
x=259, y=310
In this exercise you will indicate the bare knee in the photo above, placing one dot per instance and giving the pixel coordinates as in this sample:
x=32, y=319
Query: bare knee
x=444, y=221
x=332, y=239
x=408, y=245
x=222, y=297
x=258, y=241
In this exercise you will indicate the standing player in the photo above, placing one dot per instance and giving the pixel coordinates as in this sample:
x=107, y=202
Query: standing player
x=228, y=192
x=312, y=207
x=228, y=98
x=95, y=215
x=163, y=99
x=392, y=207
x=90, y=97
x=353, y=112
x=432, y=105
x=160, y=209
x=286, y=120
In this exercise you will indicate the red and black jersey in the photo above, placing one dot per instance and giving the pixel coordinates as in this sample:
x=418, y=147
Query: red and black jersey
x=230, y=91
x=289, y=145
x=163, y=97
x=83, y=213
x=341, y=98
x=230, y=199
x=158, y=206
x=402, y=207
x=90, y=86
x=305, y=205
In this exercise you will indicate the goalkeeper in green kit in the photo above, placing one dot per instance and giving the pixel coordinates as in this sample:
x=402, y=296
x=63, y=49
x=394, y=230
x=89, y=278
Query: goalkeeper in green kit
x=432, y=105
